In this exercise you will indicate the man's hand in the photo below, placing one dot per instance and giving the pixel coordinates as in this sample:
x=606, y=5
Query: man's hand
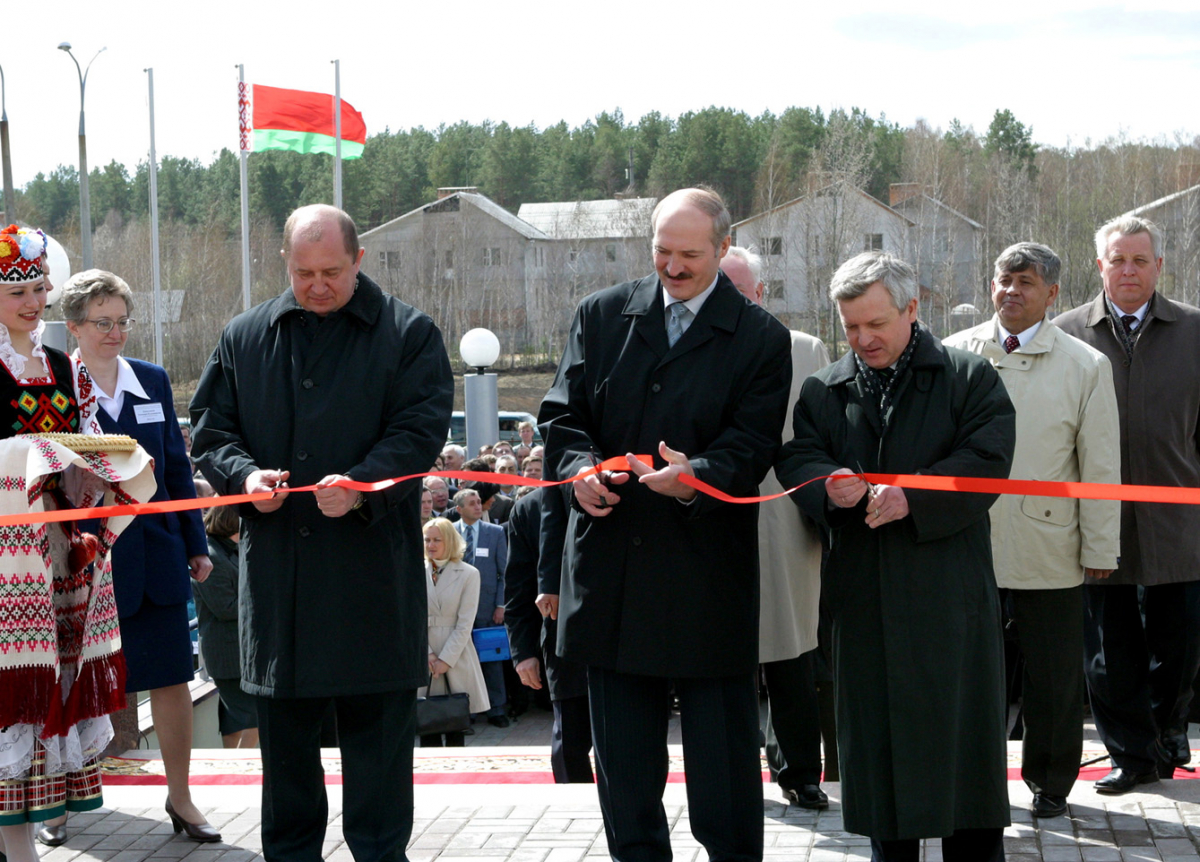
x=547, y=604
x=333, y=501
x=845, y=492
x=201, y=566
x=666, y=481
x=530, y=672
x=498, y=616
x=268, y=480
x=1099, y=574
x=593, y=496
x=887, y=504
x=437, y=667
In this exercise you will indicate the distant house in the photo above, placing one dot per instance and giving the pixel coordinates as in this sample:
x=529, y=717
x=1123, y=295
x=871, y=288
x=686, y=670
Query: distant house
x=804, y=240
x=945, y=246
x=1179, y=217
x=469, y=262
x=599, y=242
x=465, y=260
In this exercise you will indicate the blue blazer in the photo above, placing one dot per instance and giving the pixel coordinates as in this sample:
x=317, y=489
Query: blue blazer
x=491, y=566
x=150, y=557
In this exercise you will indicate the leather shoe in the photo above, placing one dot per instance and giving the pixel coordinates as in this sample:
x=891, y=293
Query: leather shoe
x=1122, y=781
x=498, y=720
x=201, y=832
x=53, y=836
x=1175, y=749
x=1048, y=805
x=806, y=796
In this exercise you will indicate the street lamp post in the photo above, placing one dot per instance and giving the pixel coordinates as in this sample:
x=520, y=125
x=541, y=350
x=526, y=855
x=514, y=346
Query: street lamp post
x=85, y=203
x=10, y=196
x=480, y=348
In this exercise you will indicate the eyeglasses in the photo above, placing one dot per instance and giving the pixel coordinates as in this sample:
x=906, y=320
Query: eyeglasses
x=105, y=324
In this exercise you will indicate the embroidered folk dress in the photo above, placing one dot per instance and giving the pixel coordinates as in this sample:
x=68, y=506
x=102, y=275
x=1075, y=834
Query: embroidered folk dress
x=60, y=664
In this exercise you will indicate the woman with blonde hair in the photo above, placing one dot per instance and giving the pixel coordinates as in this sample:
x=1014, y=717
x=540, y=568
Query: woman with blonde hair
x=453, y=590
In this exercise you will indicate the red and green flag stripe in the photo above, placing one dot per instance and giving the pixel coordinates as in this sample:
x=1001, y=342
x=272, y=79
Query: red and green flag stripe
x=302, y=122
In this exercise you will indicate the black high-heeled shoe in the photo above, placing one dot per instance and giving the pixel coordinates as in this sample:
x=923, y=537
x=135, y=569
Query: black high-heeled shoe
x=202, y=832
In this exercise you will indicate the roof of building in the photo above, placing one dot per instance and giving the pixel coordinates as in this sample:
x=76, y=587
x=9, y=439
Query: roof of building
x=820, y=193
x=479, y=201
x=604, y=219
x=1144, y=208
x=976, y=225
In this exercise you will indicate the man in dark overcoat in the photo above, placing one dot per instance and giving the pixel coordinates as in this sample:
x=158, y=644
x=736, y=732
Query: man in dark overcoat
x=660, y=585
x=916, y=623
x=532, y=582
x=330, y=379
x=1142, y=653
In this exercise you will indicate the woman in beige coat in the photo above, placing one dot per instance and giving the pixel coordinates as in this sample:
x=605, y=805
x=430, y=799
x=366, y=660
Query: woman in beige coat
x=453, y=589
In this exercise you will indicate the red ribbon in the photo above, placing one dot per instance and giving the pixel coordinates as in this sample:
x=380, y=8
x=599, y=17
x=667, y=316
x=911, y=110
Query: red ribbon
x=1027, y=487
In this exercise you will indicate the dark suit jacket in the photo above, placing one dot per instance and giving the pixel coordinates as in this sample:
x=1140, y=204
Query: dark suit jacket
x=658, y=587
x=1158, y=403
x=491, y=564
x=150, y=558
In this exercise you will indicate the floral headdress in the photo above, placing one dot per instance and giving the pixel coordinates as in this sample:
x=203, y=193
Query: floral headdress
x=21, y=253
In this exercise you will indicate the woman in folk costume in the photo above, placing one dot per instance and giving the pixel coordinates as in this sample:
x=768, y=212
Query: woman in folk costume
x=453, y=590
x=61, y=670
x=157, y=553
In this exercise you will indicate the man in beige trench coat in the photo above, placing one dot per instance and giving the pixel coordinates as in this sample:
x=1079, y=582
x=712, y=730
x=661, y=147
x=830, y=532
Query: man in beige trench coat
x=789, y=561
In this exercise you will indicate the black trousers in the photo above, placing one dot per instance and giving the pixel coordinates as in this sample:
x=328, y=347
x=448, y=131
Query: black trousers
x=965, y=845
x=1049, y=626
x=571, y=742
x=719, y=719
x=376, y=736
x=793, y=722
x=1140, y=671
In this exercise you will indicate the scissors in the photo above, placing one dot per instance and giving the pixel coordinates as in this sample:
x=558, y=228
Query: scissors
x=871, y=489
x=601, y=475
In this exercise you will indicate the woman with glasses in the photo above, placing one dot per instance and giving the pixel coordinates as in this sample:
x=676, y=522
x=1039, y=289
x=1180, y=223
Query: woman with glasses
x=157, y=553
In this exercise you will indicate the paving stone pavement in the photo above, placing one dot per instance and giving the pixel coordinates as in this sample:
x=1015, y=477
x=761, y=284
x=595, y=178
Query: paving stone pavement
x=548, y=823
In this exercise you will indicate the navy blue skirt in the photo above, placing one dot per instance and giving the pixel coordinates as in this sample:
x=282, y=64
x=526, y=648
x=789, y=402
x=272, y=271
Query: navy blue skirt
x=157, y=646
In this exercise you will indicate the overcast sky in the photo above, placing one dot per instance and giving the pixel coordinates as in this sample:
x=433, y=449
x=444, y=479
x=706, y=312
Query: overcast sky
x=1074, y=71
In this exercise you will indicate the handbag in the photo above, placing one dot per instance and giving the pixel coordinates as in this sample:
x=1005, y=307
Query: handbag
x=443, y=713
x=491, y=643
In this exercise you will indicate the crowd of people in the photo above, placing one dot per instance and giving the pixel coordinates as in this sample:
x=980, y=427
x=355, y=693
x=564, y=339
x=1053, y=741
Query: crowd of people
x=628, y=594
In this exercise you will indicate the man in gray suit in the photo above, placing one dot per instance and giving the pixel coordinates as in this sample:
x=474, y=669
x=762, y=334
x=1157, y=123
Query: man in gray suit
x=487, y=551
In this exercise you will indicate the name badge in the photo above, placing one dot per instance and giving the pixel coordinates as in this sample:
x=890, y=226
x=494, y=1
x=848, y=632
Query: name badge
x=483, y=552
x=149, y=413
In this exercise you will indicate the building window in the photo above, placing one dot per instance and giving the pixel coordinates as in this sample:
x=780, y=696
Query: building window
x=539, y=257
x=610, y=252
x=393, y=259
x=773, y=245
x=872, y=242
x=816, y=245
x=774, y=288
x=574, y=254
x=383, y=260
x=450, y=259
x=491, y=257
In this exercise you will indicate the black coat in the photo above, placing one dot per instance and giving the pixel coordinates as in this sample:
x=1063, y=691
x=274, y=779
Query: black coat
x=330, y=606
x=658, y=587
x=534, y=564
x=916, y=622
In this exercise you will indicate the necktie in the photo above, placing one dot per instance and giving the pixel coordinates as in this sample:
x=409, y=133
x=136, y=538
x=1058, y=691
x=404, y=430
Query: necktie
x=679, y=313
x=1011, y=343
x=469, y=556
x=1130, y=322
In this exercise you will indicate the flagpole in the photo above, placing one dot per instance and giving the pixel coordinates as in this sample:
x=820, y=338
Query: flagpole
x=337, y=133
x=243, y=149
x=155, y=264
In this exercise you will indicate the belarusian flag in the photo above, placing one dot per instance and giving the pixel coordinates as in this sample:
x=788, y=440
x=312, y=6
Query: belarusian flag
x=276, y=119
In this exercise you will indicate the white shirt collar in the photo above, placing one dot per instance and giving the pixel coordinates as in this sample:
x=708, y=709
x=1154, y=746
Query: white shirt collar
x=1023, y=337
x=696, y=302
x=127, y=381
x=1140, y=314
